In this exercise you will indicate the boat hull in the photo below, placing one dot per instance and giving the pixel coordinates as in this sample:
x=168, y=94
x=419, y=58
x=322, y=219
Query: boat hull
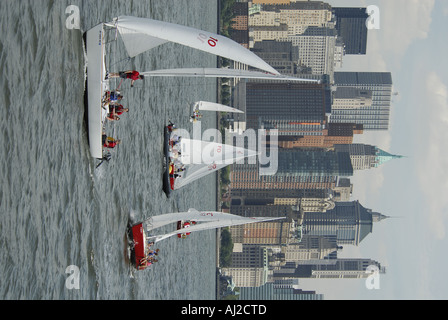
x=167, y=180
x=96, y=88
x=138, y=248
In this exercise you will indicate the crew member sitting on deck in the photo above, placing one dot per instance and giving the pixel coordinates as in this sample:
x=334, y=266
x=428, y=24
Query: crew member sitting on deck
x=109, y=142
x=118, y=109
x=112, y=97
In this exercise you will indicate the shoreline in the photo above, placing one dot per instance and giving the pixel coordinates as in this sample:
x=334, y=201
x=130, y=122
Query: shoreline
x=218, y=186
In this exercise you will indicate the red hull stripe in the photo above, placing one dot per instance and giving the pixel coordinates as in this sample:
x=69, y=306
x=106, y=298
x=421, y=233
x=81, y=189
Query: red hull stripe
x=139, y=243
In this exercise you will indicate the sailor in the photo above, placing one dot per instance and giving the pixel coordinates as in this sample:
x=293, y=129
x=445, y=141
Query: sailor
x=176, y=139
x=196, y=116
x=131, y=74
x=109, y=142
x=181, y=169
x=118, y=109
x=171, y=126
x=153, y=253
x=112, y=97
x=112, y=117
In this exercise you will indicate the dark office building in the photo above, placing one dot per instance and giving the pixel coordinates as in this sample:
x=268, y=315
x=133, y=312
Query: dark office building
x=351, y=26
x=286, y=107
x=349, y=222
x=292, y=162
x=341, y=269
x=272, y=291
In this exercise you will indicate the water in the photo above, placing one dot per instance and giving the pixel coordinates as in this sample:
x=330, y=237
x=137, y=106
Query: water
x=56, y=210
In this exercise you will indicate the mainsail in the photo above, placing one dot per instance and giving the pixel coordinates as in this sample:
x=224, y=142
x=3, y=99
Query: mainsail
x=142, y=34
x=211, y=106
x=206, y=220
x=201, y=158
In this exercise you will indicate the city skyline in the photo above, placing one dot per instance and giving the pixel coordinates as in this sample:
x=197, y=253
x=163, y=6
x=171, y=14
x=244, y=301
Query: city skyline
x=411, y=189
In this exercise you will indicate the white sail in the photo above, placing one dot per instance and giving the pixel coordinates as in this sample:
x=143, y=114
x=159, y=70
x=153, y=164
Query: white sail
x=192, y=214
x=208, y=152
x=221, y=73
x=212, y=220
x=142, y=34
x=211, y=106
x=202, y=158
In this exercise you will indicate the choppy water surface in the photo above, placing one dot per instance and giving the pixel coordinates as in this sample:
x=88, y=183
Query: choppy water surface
x=56, y=209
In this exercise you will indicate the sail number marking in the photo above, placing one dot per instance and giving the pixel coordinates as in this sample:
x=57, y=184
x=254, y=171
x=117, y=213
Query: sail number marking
x=212, y=42
x=207, y=214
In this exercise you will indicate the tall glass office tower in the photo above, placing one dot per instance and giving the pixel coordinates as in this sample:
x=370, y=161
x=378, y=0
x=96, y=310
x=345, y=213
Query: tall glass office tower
x=372, y=117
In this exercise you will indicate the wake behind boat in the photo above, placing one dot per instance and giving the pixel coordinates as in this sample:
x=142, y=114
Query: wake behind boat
x=142, y=240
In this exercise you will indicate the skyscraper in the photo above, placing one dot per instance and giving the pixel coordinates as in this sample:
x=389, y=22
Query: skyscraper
x=350, y=222
x=374, y=116
x=290, y=108
x=272, y=291
x=365, y=156
x=315, y=163
x=351, y=26
x=341, y=269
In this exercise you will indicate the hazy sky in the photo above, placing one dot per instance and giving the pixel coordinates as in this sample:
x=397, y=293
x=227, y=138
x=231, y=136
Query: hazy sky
x=411, y=44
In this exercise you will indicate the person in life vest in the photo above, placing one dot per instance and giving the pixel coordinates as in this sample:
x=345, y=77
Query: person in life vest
x=196, y=116
x=131, y=74
x=117, y=109
x=171, y=126
x=144, y=263
x=112, y=117
x=109, y=142
x=112, y=97
x=187, y=224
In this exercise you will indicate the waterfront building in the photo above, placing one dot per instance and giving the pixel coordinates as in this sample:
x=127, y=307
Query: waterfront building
x=332, y=134
x=365, y=156
x=312, y=163
x=273, y=291
x=351, y=27
x=341, y=269
x=292, y=109
x=310, y=250
x=349, y=222
x=374, y=116
x=345, y=98
x=294, y=18
x=249, y=266
x=343, y=190
x=316, y=49
x=262, y=233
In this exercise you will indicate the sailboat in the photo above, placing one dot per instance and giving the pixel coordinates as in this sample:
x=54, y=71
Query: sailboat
x=142, y=34
x=190, y=160
x=141, y=238
x=210, y=106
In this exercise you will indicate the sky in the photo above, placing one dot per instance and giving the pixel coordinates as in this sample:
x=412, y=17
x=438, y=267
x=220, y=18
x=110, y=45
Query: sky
x=411, y=43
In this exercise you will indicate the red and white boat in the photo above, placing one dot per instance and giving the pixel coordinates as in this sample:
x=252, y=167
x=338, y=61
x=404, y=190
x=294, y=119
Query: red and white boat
x=141, y=238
